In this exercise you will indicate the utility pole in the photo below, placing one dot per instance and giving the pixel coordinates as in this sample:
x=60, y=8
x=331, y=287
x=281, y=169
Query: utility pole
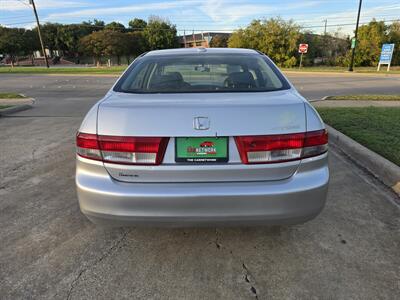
x=355, y=38
x=32, y=2
x=326, y=23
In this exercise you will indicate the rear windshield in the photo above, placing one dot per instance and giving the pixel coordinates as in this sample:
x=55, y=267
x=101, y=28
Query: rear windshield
x=206, y=73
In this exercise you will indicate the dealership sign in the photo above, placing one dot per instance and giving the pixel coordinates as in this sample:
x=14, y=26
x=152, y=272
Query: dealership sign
x=386, y=55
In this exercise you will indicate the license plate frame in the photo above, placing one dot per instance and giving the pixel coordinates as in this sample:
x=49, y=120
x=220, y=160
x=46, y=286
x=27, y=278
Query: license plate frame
x=200, y=150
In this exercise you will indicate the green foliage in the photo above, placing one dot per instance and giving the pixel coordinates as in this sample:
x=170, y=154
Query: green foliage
x=105, y=43
x=136, y=43
x=115, y=26
x=96, y=25
x=93, y=45
x=51, y=39
x=275, y=37
x=377, y=128
x=219, y=41
x=327, y=49
x=370, y=39
x=160, y=34
x=16, y=41
x=394, y=37
x=69, y=37
x=137, y=24
x=11, y=96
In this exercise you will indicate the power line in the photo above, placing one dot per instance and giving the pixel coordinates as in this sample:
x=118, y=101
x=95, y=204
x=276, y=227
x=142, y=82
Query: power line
x=219, y=29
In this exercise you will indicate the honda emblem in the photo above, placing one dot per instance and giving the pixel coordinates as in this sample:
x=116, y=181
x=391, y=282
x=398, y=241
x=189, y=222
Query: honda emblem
x=201, y=123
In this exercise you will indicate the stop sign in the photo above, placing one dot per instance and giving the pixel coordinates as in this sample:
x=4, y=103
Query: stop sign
x=303, y=48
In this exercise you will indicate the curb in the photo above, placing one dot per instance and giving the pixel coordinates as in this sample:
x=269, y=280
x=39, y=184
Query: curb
x=14, y=109
x=17, y=101
x=383, y=169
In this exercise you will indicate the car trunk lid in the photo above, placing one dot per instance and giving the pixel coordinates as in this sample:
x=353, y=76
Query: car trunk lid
x=227, y=114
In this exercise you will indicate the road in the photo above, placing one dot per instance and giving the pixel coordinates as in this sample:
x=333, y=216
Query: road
x=49, y=250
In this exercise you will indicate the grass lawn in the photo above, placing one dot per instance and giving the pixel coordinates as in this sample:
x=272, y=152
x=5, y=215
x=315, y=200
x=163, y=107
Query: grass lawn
x=393, y=70
x=4, y=106
x=377, y=128
x=117, y=70
x=11, y=96
x=366, y=97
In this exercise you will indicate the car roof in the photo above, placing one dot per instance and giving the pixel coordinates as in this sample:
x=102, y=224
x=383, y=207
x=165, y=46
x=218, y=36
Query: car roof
x=183, y=51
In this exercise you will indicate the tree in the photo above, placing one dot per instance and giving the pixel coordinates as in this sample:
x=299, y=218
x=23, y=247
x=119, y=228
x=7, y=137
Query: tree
x=323, y=49
x=93, y=45
x=219, y=41
x=69, y=37
x=137, y=24
x=115, y=26
x=160, y=34
x=105, y=43
x=370, y=40
x=394, y=37
x=30, y=41
x=51, y=39
x=13, y=42
x=115, y=44
x=96, y=25
x=136, y=44
x=275, y=37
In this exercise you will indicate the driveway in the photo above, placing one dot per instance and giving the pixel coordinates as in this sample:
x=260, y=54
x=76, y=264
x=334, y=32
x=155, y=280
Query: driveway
x=49, y=250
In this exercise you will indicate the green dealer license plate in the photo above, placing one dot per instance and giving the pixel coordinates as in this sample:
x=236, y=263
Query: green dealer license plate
x=201, y=149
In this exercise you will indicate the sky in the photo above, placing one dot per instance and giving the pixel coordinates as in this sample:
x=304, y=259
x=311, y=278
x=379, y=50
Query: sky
x=204, y=15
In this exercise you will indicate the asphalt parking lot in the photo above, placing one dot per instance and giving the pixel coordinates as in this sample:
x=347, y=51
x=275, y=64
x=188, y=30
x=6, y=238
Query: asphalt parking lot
x=48, y=249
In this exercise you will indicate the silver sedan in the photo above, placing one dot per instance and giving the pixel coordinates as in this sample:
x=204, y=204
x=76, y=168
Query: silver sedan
x=190, y=137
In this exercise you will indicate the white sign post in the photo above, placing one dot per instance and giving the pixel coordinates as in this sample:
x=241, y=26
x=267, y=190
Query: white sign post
x=303, y=48
x=386, y=56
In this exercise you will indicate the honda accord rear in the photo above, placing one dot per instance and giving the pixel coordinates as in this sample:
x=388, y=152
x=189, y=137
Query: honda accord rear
x=191, y=137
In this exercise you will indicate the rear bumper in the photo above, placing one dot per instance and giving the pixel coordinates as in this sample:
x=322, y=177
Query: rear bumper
x=293, y=200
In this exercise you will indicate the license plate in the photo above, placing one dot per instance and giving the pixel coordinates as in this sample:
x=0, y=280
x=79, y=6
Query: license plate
x=201, y=149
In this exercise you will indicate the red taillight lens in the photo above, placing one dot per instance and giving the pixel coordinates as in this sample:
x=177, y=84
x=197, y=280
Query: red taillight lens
x=315, y=143
x=87, y=146
x=283, y=147
x=123, y=150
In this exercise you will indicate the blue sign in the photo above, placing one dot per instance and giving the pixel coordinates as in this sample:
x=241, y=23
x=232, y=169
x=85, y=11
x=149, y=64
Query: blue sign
x=386, y=54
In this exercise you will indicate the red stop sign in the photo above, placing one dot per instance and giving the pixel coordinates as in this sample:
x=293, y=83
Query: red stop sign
x=303, y=48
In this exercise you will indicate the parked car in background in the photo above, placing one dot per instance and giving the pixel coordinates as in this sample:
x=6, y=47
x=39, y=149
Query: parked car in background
x=140, y=150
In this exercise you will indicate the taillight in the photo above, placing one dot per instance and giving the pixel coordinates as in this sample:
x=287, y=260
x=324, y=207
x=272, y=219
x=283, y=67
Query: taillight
x=280, y=148
x=87, y=146
x=122, y=150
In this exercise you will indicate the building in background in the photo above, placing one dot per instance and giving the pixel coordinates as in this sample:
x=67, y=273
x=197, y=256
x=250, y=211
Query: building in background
x=199, y=39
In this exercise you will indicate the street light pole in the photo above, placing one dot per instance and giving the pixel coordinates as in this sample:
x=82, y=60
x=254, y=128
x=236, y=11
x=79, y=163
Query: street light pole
x=32, y=2
x=355, y=38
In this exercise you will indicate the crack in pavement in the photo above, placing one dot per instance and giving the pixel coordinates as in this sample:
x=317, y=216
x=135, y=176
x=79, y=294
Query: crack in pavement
x=217, y=239
x=247, y=278
x=105, y=255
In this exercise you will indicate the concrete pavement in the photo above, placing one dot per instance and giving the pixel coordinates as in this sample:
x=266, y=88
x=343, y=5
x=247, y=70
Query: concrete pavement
x=49, y=250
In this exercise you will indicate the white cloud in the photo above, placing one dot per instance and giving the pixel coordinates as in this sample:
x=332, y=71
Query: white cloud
x=8, y=5
x=107, y=11
x=228, y=11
